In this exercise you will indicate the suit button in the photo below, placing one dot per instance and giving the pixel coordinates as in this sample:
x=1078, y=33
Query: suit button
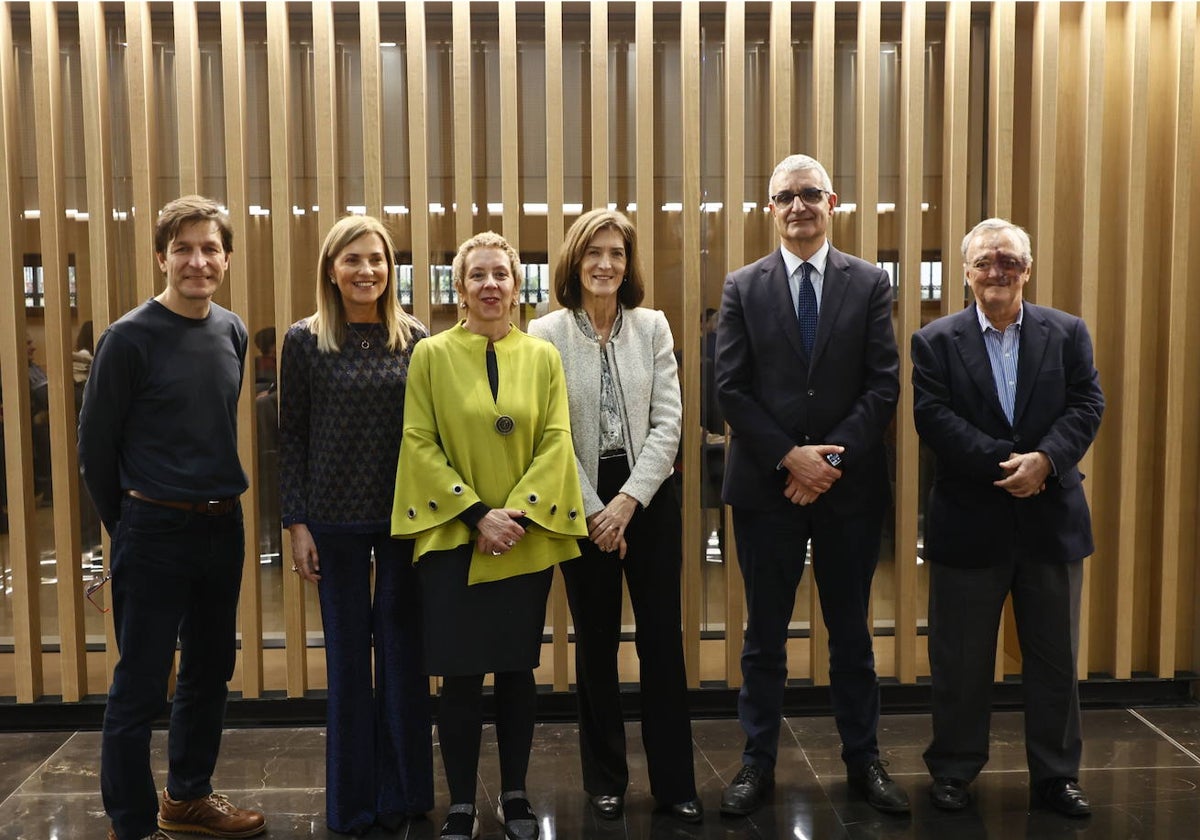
x=533, y=498
x=811, y=392
x=1016, y=438
x=807, y=439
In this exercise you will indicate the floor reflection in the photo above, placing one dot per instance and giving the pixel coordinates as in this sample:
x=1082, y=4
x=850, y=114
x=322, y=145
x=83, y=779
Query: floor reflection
x=1140, y=768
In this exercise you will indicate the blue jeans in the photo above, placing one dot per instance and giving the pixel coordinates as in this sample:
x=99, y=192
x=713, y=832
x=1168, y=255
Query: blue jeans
x=175, y=576
x=379, y=733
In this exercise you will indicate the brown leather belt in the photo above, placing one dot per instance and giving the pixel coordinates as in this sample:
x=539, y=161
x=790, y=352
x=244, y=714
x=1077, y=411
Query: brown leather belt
x=216, y=507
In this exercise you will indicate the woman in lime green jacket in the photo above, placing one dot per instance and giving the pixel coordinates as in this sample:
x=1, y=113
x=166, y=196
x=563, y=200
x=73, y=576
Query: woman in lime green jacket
x=488, y=488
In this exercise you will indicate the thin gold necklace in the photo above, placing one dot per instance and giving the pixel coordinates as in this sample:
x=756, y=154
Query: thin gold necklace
x=363, y=342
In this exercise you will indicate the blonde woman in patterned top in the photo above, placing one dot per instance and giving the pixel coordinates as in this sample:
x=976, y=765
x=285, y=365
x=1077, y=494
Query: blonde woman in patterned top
x=342, y=382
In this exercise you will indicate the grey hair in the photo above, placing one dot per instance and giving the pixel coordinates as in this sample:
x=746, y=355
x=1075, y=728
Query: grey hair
x=997, y=225
x=799, y=163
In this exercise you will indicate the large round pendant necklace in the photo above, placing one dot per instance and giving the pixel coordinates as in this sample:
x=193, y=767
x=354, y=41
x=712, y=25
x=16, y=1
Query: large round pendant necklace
x=363, y=342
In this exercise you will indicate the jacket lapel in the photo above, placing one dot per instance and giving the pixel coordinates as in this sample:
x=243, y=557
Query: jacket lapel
x=833, y=295
x=780, y=298
x=969, y=340
x=1034, y=338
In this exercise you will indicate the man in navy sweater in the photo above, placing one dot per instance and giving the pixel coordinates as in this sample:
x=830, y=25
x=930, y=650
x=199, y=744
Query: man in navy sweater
x=158, y=452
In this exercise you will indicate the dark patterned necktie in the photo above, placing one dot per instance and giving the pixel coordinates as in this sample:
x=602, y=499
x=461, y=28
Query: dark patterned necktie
x=806, y=311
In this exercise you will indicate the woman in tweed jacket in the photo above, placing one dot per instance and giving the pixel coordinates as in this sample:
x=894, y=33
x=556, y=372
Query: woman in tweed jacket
x=623, y=393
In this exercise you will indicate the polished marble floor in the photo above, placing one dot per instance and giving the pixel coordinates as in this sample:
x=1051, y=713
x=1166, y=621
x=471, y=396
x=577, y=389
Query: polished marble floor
x=1141, y=768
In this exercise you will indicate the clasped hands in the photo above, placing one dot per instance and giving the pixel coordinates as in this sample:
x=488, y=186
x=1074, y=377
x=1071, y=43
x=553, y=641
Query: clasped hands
x=499, y=531
x=607, y=528
x=1025, y=474
x=808, y=473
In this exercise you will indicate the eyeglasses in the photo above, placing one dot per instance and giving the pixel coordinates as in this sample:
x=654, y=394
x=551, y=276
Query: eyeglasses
x=1007, y=265
x=93, y=588
x=809, y=195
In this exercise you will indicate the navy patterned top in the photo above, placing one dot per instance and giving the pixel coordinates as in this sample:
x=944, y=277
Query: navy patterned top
x=341, y=418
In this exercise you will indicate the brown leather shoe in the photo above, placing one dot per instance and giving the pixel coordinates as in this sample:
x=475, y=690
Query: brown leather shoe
x=214, y=815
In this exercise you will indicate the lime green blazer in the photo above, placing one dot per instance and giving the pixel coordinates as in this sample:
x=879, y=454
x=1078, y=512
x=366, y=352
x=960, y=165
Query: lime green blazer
x=461, y=446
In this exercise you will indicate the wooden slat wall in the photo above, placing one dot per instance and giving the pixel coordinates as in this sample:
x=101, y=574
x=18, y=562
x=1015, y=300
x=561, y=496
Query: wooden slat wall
x=47, y=103
x=1107, y=107
x=97, y=129
x=279, y=75
x=233, y=65
x=22, y=546
x=735, y=257
x=689, y=55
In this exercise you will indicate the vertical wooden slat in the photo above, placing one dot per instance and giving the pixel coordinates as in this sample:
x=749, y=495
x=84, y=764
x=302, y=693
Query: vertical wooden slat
x=278, y=76
x=17, y=442
x=1001, y=79
x=418, y=158
x=824, y=94
x=1043, y=184
x=47, y=101
x=187, y=94
x=1130, y=411
x=1000, y=107
x=326, y=113
x=822, y=148
x=1092, y=212
x=554, y=240
x=781, y=80
x=735, y=257
x=955, y=134
x=647, y=208
x=555, y=193
x=233, y=77
x=143, y=148
x=97, y=132
x=1178, y=493
x=866, y=150
x=598, y=120
x=689, y=59
x=510, y=161
x=464, y=222
x=912, y=151
x=372, y=106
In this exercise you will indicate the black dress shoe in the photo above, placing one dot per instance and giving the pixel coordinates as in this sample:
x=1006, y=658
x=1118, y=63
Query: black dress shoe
x=949, y=794
x=608, y=806
x=1064, y=796
x=877, y=786
x=747, y=791
x=691, y=811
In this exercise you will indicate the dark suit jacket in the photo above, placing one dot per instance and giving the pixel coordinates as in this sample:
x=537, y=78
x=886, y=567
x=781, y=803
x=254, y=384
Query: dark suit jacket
x=774, y=396
x=968, y=522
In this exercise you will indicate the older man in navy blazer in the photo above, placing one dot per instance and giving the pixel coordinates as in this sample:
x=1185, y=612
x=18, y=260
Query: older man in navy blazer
x=807, y=376
x=1007, y=397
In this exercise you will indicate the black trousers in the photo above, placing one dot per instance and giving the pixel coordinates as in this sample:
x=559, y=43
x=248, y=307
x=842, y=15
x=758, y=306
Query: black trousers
x=964, y=615
x=651, y=569
x=771, y=549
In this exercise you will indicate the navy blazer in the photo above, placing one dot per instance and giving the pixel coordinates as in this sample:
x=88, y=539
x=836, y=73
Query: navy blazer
x=968, y=521
x=774, y=396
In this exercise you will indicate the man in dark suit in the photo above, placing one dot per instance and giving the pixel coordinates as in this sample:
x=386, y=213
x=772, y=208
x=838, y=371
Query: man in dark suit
x=1007, y=397
x=807, y=377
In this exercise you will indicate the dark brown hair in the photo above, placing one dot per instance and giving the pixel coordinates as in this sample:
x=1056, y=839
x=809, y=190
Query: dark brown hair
x=568, y=290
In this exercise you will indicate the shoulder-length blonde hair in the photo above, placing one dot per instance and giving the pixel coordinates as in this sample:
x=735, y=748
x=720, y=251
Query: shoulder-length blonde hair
x=328, y=323
x=568, y=289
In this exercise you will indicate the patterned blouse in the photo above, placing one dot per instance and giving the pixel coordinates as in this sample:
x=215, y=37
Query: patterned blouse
x=612, y=431
x=341, y=417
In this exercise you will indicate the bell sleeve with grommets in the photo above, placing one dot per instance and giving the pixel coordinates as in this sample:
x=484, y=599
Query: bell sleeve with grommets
x=462, y=446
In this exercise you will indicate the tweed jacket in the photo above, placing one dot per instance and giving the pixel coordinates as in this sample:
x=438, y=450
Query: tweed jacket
x=642, y=359
x=456, y=451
